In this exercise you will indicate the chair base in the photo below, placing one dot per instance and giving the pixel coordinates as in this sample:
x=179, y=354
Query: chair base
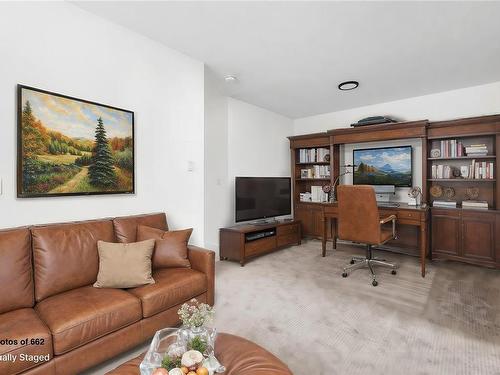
x=358, y=262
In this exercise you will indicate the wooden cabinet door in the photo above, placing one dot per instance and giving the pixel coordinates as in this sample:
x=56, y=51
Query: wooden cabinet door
x=304, y=214
x=446, y=234
x=478, y=235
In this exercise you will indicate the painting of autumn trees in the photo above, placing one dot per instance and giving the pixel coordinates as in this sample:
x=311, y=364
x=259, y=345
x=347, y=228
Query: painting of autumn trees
x=69, y=146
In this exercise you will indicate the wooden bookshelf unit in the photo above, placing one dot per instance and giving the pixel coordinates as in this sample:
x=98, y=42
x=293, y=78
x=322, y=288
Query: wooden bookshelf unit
x=241, y=242
x=470, y=235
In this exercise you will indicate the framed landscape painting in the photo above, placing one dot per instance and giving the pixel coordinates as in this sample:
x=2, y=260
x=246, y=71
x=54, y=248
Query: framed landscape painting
x=383, y=166
x=69, y=146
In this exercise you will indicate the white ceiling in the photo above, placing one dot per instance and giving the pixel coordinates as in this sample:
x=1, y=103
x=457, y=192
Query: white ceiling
x=290, y=56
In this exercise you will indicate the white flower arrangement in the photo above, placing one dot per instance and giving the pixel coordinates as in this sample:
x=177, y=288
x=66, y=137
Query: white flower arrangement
x=195, y=314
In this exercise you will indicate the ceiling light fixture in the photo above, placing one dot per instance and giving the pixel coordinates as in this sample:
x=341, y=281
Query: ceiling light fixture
x=348, y=85
x=230, y=79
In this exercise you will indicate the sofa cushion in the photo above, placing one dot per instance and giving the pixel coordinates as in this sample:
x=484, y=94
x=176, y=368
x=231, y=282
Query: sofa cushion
x=172, y=286
x=16, y=276
x=82, y=315
x=126, y=227
x=124, y=265
x=65, y=255
x=22, y=324
x=171, y=247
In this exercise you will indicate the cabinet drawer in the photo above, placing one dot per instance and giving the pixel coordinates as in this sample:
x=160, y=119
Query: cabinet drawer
x=260, y=246
x=444, y=212
x=408, y=215
x=287, y=229
x=287, y=239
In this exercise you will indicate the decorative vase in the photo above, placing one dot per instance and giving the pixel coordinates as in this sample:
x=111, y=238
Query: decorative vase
x=206, y=334
x=165, y=342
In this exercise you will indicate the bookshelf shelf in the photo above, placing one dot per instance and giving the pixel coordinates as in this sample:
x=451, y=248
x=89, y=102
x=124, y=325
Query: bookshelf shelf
x=313, y=179
x=462, y=179
x=315, y=163
x=465, y=158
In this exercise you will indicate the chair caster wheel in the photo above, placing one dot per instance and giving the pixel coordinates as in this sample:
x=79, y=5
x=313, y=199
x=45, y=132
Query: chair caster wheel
x=344, y=274
x=374, y=283
x=352, y=261
x=394, y=272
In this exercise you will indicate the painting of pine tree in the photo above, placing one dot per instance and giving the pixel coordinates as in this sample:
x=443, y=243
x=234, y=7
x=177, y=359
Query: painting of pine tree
x=69, y=146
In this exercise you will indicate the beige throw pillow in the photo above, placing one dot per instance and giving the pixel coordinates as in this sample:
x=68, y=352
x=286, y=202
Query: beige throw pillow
x=124, y=265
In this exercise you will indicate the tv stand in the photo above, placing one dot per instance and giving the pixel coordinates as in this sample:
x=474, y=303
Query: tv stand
x=241, y=242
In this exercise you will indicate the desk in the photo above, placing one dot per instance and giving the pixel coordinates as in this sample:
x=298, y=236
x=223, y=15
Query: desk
x=409, y=215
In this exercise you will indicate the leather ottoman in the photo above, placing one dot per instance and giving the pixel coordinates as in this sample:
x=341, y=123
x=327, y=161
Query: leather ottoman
x=238, y=355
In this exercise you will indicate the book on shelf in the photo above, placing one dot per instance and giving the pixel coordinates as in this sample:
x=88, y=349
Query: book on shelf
x=478, y=170
x=305, y=197
x=439, y=203
x=313, y=155
x=474, y=204
x=476, y=150
x=316, y=171
x=318, y=195
x=451, y=148
x=481, y=170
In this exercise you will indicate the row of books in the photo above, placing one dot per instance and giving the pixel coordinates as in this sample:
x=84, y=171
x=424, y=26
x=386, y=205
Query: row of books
x=465, y=204
x=441, y=171
x=479, y=170
x=451, y=148
x=316, y=195
x=316, y=171
x=313, y=155
x=476, y=150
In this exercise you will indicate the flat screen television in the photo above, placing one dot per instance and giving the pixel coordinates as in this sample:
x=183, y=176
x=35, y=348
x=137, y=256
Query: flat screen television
x=383, y=166
x=262, y=197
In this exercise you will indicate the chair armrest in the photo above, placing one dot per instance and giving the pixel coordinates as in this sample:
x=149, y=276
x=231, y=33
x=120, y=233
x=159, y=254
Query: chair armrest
x=393, y=219
x=387, y=219
x=203, y=260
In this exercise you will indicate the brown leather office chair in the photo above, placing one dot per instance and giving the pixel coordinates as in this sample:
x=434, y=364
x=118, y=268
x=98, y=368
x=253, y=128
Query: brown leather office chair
x=359, y=221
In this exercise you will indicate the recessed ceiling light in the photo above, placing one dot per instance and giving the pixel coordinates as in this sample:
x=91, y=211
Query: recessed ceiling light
x=348, y=85
x=230, y=79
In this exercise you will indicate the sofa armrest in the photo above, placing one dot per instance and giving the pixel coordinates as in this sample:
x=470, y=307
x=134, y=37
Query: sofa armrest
x=203, y=260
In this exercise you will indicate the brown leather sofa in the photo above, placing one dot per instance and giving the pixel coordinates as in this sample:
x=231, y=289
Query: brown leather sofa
x=46, y=277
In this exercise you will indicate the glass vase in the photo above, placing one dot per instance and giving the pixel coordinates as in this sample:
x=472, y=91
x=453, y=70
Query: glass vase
x=165, y=342
x=204, y=334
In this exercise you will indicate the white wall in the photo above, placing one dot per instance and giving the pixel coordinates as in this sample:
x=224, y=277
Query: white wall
x=257, y=144
x=244, y=140
x=59, y=47
x=217, y=208
x=468, y=102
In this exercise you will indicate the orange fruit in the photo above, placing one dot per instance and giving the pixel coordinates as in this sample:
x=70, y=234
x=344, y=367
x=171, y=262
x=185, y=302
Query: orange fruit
x=202, y=371
x=191, y=373
x=184, y=369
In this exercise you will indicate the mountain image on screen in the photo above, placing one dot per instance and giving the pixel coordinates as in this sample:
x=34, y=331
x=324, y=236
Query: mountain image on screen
x=383, y=166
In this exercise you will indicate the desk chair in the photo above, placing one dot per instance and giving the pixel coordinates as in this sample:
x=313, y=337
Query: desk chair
x=359, y=221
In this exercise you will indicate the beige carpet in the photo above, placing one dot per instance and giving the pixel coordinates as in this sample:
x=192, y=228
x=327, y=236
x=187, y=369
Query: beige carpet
x=296, y=304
